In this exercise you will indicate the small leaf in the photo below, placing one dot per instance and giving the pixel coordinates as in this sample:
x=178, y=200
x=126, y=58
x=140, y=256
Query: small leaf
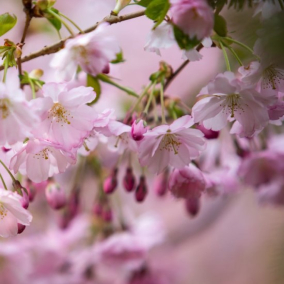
x=220, y=26
x=157, y=10
x=7, y=22
x=144, y=3
x=95, y=84
x=119, y=58
x=183, y=40
x=54, y=21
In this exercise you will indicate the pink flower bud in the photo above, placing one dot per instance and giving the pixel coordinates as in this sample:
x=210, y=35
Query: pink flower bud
x=138, y=129
x=192, y=206
x=107, y=215
x=55, y=196
x=110, y=182
x=129, y=180
x=208, y=133
x=141, y=190
x=31, y=191
x=187, y=182
x=23, y=193
x=98, y=209
x=106, y=69
x=21, y=228
x=161, y=183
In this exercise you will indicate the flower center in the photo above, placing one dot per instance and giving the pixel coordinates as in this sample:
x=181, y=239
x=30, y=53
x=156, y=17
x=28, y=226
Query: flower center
x=271, y=77
x=60, y=114
x=170, y=143
x=3, y=211
x=232, y=103
x=4, y=108
x=42, y=154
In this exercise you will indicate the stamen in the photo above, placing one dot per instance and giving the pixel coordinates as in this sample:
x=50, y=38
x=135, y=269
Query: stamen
x=4, y=108
x=60, y=114
x=170, y=143
x=3, y=211
x=272, y=76
x=42, y=154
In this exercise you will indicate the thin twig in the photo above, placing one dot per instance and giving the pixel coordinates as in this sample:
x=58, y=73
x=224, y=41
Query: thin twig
x=172, y=77
x=56, y=47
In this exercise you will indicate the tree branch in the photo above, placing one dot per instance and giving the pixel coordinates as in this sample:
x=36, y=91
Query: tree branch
x=56, y=47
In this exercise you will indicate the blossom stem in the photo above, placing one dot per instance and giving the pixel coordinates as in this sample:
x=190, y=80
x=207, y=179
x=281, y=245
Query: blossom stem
x=150, y=98
x=235, y=54
x=225, y=56
x=3, y=182
x=156, y=119
x=32, y=87
x=140, y=98
x=239, y=43
x=61, y=20
x=6, y=65
x=162, y=101
x=9, y=172
x=72, y=22
x=106, y=79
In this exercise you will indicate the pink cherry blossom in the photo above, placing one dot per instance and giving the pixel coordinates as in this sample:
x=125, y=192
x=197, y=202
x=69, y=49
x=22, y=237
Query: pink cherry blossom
x=40, y=159
x=92, y=52
x=17, y=117
x=271, y=77
x=66, y=119
x=171, y=145
x=12, y=213
x=187, y=182
x=193, y=17
x=122, y=140
x=229, y=99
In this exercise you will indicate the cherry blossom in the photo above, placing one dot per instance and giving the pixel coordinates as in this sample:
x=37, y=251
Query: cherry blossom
x=194, y=17
x=229, y=99
x=66, y=119
x=92, y=52
x=171, y=145
x=40, y=159
x=12, y=213
x=17, y=117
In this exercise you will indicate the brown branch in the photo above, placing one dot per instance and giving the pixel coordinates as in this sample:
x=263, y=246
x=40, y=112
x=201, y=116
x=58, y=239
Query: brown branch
x=174, y=75
x=56, y=47
x=28, y=11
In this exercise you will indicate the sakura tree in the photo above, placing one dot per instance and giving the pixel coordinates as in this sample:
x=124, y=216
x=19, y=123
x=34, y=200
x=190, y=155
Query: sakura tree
x=101, y=160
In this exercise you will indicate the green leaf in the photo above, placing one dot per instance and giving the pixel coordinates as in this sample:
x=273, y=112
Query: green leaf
x=95, y=84
x=183, y=40
x=220, y=26
x=54, y=21
x=143, y=3
x=7, y=22
x=119, y=58
x=157, y=10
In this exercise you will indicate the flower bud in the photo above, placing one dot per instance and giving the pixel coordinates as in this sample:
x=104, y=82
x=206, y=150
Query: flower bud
x=129, y=180
x=138, y=129
x=107, y=214
x=106, y=69
x=161, y=183
x=192, y=206
x=208, y=133
x=120, y=4
x=36, y=74
x=110, y=182
x=45, y=4
x=21, y=228
x=23, y=193
x=98, y=209
x=31, y=191
x=141, y=190
x=55, y=196
x=18, y=52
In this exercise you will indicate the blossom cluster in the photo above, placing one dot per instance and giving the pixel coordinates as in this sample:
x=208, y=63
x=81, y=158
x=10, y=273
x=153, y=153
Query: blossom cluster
x=228, y=138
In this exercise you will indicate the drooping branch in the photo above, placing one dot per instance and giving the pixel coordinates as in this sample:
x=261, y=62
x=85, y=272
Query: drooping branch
x=56, y=47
